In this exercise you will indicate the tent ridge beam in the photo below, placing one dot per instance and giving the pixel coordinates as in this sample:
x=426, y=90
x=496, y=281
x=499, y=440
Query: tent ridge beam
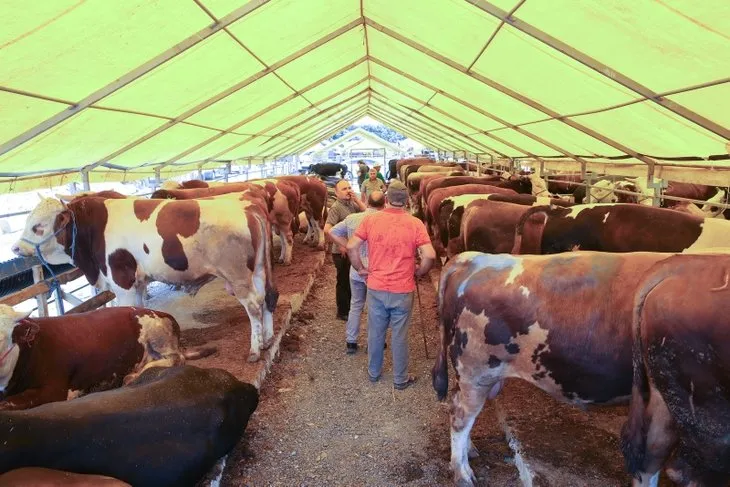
x=131, y=76
x=511, y=93
x=397, y=122
x=602, y=69
x=412, y=123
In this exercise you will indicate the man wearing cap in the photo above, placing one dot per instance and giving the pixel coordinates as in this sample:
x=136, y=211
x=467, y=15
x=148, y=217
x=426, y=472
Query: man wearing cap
x=393, y=236
x=372, y=183
x=347, y=203
x=358, y=288
x=379, y=174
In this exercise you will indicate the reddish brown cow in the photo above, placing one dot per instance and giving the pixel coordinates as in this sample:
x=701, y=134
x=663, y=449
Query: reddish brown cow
x=452, y=209
x=314, y=204
x=436, y=196
x=487, y=226
x=409, y=169
x=44, y=359
x=37, y=477
x=680, y=404
x=448, y=181
x=689, y=191
x=414, y=160
x=616, y=228
x=284, y=197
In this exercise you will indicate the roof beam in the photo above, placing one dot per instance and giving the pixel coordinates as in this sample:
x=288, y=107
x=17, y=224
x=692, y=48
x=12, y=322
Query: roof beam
x=507, y=91
x=443, y=142
x=406, y=130
x=601, y=68
x=136, y=73
x=462, y=135
x=229, y=91
x=233, y=127
x=498, y=139
x=323, y=133
x=309, y=136
x=322, y=115
x=271, y=127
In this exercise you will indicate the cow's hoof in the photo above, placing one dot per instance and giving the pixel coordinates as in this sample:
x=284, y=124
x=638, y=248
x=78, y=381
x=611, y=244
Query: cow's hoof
x=254, y=357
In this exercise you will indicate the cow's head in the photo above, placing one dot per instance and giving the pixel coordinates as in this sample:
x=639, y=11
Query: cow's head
x=9, y=319
x=539, y=186
x=42, y=228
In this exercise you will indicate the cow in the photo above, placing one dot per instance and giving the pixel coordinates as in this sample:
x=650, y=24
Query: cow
x=314, y=203
x=616, y=227
x=413, y=160
x=436, y=196
x=328, y=169
x=43, y=359
x=284, y=198
x=392, y=171
x=452, y=209
x=100, y=194
x=166, y=428
x=417, y=182
x=680, y=402
x=506, y=316
x=408, y=169
x=711, y=211
x=443, y=181
x=127, y=243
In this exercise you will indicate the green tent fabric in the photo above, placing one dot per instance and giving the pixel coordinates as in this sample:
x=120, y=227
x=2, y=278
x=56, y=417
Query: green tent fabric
x=120, y=89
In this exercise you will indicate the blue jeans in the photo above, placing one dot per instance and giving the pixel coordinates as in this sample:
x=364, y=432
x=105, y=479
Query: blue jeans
x=394, y=310
x=358, y=292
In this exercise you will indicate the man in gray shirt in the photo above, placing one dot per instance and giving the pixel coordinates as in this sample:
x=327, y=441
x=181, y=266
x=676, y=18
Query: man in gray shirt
x=340, y=234
x=347, y=203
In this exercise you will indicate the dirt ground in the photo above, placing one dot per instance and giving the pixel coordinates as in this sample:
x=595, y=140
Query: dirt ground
x=321, y=422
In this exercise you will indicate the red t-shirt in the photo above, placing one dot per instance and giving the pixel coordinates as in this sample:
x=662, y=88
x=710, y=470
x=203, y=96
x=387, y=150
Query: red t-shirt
x=393, y=237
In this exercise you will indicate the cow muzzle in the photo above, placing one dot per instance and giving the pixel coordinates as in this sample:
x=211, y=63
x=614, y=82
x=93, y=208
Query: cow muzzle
x=23, y=249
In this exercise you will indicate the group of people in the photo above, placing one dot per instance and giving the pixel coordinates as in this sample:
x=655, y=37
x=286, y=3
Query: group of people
x=374, y=246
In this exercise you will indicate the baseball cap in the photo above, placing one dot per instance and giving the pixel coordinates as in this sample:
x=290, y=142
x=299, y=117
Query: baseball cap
x=397, y=193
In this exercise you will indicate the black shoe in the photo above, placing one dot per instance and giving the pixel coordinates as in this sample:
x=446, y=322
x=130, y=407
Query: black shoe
x=342, y=317
x=351, y=348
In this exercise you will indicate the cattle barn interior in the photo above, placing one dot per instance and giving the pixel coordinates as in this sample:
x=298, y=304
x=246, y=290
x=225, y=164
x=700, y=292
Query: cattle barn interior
x=168, y=281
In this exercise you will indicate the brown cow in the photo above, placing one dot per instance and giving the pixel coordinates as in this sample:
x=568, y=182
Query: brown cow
x=452, y=209
x=680, y=404
x=448, y=181
x=44, y=359
x=544, y=319
x=127, y=243
x=314, y=203
x=284, y=197
x=39, y=477
x=436, y=196
x=616, y=228
x=413, y=160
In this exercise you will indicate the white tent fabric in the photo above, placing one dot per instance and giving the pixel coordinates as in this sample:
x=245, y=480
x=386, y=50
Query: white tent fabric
x=120, y=89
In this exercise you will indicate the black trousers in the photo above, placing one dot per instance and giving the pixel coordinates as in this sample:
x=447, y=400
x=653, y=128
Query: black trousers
x=342, y=290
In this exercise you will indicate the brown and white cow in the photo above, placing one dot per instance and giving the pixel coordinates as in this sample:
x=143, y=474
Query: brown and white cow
x=192, y=184
x=436, y=196
x=128, y=243
x=44, y=359
x=314, y=203
x=452, y=210
x=284, y=197
x=506, y=316
x=616, y=228
x=680, y=404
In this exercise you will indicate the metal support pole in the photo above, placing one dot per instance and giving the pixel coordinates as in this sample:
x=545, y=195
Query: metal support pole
x=227, y=171
x=85, y=179
x=657, y=186
x=479, y=167
x=588, y=178
x=200, y=172
x=157, y=178
x=41, y=298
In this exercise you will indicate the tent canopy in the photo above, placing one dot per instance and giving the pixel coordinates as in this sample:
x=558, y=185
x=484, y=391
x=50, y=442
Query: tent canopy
x=122, y=88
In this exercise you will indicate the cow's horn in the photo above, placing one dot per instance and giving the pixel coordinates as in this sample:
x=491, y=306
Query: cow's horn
x=64, y=197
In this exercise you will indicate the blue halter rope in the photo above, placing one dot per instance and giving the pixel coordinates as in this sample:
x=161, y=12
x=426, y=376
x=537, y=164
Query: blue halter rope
x=55, y=284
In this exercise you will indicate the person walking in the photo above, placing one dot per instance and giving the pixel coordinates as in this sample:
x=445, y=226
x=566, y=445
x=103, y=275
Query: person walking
x=393, y=237
x=340, y=234
x=347, y=203
x=371, y=184
x=362, y=172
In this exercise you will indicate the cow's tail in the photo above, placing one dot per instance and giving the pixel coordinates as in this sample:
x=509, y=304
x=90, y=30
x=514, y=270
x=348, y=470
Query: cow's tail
x=271, y=295
x=529, y=230
x=440, y=371
x=634, y=431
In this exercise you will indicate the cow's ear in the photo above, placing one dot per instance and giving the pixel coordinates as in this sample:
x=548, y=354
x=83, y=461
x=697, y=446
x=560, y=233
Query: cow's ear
x=63, y=218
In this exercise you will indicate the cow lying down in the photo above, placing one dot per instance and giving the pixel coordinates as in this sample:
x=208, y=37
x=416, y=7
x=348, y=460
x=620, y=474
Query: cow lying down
x=44, y=360
x=561, y=322
x=168, y=427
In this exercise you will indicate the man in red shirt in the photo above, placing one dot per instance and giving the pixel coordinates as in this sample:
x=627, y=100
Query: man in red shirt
x=393, y=237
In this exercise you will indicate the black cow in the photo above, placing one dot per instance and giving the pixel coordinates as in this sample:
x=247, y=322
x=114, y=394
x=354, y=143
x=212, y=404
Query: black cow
x=168, y=427
x=328, y=169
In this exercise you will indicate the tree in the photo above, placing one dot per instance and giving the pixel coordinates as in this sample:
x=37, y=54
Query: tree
x=381, y=131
